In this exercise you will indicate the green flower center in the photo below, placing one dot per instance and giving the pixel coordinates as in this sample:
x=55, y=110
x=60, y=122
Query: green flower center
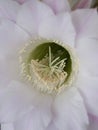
x=48, y=65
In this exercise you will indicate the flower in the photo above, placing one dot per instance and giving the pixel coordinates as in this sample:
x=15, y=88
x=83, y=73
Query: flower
x=58, y=52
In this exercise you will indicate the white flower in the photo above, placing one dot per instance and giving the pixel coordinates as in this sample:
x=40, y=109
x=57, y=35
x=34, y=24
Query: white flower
x=61, y=95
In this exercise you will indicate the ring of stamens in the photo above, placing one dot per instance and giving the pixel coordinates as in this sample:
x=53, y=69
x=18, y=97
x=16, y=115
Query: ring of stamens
x=51, y=72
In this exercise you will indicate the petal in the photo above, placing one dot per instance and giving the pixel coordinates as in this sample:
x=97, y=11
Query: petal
x=9, y=70
x=87, y=50
x=39, y=118
x=30, y=121
x=32, y=13
x=93, y=123
x=58, y=6
x=86, y=22
x=84, y=4
x=88, y=87
x=12, y=39
x=69, y=111
x=80, y=3
x=20, y=1
x=11, y=36
x=51, y=127
x=15, y=101
x=9, y=9
x=7, y=126
x=58, y=27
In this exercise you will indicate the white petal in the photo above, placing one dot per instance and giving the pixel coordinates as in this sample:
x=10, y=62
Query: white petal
x=51, y=127
x=93, y=123
x=32, y=13
x=20, y=1
x=58, y=27
x=43, y=103
x=87, y=50
x=86, y=22
x=9, y=9
x=88, y=87
x=9, y=70
x=7, y=126
x=30, y=121
x=12, y=37
x=15, y=101
x=58, y=6
x=39, y=118
x=69, y=111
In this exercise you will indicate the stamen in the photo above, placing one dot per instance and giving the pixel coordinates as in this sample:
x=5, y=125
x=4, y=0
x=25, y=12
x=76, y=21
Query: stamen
x=49, y=56
x=53, y=72
x=46, y=69
x=56, y=59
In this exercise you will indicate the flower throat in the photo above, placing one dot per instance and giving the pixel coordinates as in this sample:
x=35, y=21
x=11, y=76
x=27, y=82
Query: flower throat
x=48, y=65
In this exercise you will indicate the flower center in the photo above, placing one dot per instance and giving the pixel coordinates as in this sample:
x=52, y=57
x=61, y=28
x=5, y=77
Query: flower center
x=50, y=69
x=50, y=66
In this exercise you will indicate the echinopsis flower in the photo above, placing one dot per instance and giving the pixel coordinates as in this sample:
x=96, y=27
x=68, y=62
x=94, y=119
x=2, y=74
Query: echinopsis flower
x=48, y=67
